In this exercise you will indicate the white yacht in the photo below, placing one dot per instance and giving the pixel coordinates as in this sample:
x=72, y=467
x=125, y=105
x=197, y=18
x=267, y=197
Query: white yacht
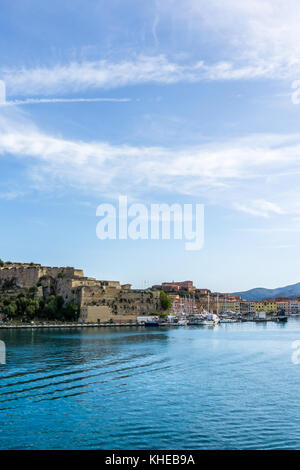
x=211, y=319
x=228, y=320
x=182, y=322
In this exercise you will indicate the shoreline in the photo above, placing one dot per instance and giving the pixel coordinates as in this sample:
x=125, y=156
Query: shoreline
x=77, y=325
x=112, y=325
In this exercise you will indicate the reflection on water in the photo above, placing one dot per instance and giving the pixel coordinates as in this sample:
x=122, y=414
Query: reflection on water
x=229, y=387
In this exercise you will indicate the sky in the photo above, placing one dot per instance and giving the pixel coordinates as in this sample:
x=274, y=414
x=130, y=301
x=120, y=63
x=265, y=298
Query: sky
x=164, y=101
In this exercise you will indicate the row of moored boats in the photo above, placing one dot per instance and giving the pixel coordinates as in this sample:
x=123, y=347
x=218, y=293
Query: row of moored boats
x=204, y=318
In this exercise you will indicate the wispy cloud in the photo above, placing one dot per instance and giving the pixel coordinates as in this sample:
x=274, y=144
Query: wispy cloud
x=257, y=31
x=64, y=100
x=260, y=208
x=11, y=194
x=269, y=230
x=283, y=247
x=227, y=173
x=76, y=77
x=257, y=39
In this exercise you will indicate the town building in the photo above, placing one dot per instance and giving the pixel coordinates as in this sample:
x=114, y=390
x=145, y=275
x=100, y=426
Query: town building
x=269, y=306
x=183, y=286
x=181, y=305
x=203, y=291
x=294, y=307
x=283, y=305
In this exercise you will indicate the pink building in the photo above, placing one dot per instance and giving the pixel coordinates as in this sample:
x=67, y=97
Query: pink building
x=183, y=305
x=178, y=286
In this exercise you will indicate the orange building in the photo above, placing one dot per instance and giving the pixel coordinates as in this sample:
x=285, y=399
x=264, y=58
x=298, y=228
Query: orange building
x=178, y=286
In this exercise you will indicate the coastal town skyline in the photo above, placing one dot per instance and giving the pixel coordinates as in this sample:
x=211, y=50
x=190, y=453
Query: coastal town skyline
x=20, y=274
x=31, y=292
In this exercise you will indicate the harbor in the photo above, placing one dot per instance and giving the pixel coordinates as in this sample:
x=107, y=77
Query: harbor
x=188, y=312
x=146, y=322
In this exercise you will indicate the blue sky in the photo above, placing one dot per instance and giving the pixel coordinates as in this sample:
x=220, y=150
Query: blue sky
x=197, y=107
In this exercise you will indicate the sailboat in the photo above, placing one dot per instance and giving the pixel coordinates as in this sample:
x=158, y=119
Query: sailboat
x=210, y=319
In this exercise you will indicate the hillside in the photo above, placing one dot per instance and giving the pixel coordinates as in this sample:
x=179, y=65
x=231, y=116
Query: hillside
x=261, y=293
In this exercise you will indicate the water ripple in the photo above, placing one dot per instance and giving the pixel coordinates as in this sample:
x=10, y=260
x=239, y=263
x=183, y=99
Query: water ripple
x=233, y=387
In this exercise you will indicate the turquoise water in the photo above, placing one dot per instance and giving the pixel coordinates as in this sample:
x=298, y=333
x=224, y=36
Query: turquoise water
x=230, y=387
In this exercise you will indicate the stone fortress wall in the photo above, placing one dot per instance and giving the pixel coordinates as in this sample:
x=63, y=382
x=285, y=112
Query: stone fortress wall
x=123, y=303
x=99, y=300
x=29, y=274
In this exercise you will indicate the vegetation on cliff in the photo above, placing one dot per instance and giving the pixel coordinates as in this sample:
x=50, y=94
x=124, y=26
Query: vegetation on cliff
x=165, y=300
x=26, y=307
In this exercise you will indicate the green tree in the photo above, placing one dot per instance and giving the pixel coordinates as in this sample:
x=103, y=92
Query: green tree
x=50, y=308
x=33, y=290
x=53, y=309
x=10, y=310
x=71, y=311
x=165, y=300
x=21, y=304
x=59, y=302
x=30, y=312
x=32, y=309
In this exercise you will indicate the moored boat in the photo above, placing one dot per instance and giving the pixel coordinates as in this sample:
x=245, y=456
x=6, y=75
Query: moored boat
x=228, y=320
x=182, y=322
x=282, y=319
x=151, y=323
x=206, y=319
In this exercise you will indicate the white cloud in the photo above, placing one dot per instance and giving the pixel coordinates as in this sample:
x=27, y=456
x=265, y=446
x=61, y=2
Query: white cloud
x=245, y=40
x=238, y=173
x=64, y=100
x=11, y=194
x=283, y=247
x=256, y=30
x=260, y=208
x=77, y=77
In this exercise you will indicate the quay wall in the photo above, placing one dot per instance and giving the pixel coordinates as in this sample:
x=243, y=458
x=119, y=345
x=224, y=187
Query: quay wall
x=103, y=314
